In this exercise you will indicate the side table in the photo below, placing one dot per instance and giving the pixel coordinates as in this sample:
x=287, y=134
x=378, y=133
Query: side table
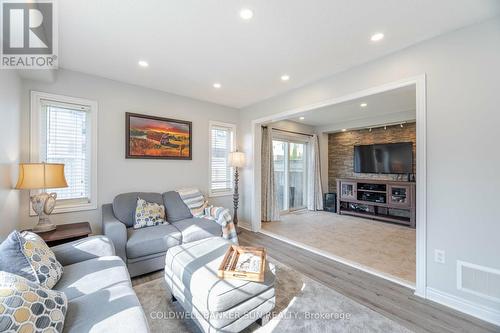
x=66, y=233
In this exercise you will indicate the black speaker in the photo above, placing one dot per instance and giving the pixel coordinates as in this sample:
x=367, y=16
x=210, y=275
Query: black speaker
x=330, y=202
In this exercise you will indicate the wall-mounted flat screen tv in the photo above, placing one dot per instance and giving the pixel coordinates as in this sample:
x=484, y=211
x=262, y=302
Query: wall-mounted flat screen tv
x=384, y=158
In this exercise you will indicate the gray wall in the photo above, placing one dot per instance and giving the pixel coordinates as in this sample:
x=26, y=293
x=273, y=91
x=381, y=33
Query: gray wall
x=463, y=80
x=115, y=173
x=10, y=100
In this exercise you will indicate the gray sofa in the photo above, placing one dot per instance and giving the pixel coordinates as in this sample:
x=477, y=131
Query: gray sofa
x=144, y=249
x=98, y=288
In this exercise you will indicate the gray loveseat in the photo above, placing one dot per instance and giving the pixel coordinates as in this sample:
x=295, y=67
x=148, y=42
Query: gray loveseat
x=98, y=288
x=144, y=249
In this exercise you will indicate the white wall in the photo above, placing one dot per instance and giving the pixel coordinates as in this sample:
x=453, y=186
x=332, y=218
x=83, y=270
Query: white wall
x=463, y=98
x=10, y=112
x=115, y=173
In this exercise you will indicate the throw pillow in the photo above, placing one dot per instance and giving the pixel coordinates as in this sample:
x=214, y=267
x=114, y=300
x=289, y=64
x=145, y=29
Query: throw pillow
x=27, y=255
x=28, y=307
x=12, y=258
x=148, y=214
x=43, y=261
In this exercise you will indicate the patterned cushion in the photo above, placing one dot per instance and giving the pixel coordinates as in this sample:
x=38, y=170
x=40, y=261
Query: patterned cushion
x=195, y=201
x=27, y=307
x=148, y=214
x=27, y=255
x=43, y=261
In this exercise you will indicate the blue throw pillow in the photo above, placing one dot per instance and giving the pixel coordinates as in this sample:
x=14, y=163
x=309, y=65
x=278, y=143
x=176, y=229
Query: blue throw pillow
x=12, y=258
x=26, y=254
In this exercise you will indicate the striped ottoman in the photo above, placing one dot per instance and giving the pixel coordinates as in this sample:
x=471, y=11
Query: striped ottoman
x=216, y=305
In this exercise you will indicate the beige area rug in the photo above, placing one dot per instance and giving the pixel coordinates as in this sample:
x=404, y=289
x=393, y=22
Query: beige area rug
x=383, y=247
x=302, y=305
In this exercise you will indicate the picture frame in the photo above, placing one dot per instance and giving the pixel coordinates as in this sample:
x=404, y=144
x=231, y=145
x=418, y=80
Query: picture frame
x=152, y=137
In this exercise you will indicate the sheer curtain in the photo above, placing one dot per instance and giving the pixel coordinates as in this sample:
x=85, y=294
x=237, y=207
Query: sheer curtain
x=269, y=199
x=314, y=191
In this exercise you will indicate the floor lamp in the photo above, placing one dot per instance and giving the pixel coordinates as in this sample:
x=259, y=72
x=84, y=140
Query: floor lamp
x=236, y=160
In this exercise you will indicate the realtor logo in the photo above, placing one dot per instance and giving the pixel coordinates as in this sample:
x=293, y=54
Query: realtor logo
x=29, y=33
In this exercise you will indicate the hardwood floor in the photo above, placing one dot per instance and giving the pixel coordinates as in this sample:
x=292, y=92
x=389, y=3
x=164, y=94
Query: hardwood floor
x=389, y=299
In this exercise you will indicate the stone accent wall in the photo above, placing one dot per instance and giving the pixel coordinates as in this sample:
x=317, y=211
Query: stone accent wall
x=341, y=151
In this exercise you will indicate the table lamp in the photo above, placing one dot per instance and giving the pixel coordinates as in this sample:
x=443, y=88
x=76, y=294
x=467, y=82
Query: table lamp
x=236, y=160
x=41, y=176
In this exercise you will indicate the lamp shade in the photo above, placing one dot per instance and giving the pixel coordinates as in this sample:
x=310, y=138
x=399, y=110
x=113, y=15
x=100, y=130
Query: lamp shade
x=34, y=176
x=237, y=159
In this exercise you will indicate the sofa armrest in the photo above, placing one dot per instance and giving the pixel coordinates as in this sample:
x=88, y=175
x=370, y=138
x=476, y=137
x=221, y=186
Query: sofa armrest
x=83, y=249
x=114, y=230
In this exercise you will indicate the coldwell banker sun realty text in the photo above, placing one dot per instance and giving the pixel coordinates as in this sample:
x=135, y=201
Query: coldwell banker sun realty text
x=29, y=34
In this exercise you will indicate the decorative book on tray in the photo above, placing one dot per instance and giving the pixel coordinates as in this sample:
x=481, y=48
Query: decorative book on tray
x=244, y=263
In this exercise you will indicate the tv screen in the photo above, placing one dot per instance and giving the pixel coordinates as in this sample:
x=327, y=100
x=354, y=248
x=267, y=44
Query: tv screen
x=384, y=158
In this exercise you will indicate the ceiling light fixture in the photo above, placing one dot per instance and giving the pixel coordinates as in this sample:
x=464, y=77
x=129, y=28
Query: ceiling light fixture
x=302, y=118
x=285, y=77
x=363, y=105
x=246, y=14
x=377, y=37
x=143, y=63
x=217, y=85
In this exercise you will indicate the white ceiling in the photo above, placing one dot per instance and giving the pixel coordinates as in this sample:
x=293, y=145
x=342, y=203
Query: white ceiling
x=190, y=44
x=379, y=106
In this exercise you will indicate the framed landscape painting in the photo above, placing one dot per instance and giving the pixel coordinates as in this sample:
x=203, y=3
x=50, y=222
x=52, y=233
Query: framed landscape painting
x=157, y=138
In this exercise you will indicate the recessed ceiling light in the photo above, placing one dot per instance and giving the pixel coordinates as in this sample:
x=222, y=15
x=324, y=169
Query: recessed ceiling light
x=217, y=85
x=343, y=130
x=377, y=37
x=246, y=14
x=143, y=63
x=285, y=77
x=363, y=105
x=302, y=118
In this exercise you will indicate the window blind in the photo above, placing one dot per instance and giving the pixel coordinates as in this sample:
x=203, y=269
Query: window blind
x=221, y=145
x=66, y=139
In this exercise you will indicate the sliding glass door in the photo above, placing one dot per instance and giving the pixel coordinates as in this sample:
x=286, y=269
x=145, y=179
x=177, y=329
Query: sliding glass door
x=280, y=159
x=297, y=175
x=290, y=174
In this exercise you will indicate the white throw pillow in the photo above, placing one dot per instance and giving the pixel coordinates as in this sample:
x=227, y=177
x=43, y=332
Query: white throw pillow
x=148, y=214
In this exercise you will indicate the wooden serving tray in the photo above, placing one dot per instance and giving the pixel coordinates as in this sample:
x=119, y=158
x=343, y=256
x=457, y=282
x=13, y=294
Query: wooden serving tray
x=227, y=269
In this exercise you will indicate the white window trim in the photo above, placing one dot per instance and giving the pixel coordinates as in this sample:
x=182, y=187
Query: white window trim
x=211, y=124
x=64, y=206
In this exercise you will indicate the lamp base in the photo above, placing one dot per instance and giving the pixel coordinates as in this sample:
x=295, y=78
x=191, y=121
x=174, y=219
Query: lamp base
x=44, y=225
x=43, y=204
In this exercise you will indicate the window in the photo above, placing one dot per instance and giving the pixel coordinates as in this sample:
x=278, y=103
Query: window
x=64, y=130
x=221, y=138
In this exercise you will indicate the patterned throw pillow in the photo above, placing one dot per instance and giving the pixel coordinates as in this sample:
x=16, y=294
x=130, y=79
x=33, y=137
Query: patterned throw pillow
x=43, y=261
x=27, y=255
x=27, y=307
x=148, y=214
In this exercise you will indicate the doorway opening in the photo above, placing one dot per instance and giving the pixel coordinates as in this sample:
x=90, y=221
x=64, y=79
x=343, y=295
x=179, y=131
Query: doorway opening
x=379, y=109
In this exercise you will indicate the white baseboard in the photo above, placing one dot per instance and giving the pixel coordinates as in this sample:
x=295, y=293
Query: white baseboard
x=476, y=310
x=244, y=225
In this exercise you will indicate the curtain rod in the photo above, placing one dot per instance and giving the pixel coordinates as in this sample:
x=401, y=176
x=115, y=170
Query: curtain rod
x=282, y=130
